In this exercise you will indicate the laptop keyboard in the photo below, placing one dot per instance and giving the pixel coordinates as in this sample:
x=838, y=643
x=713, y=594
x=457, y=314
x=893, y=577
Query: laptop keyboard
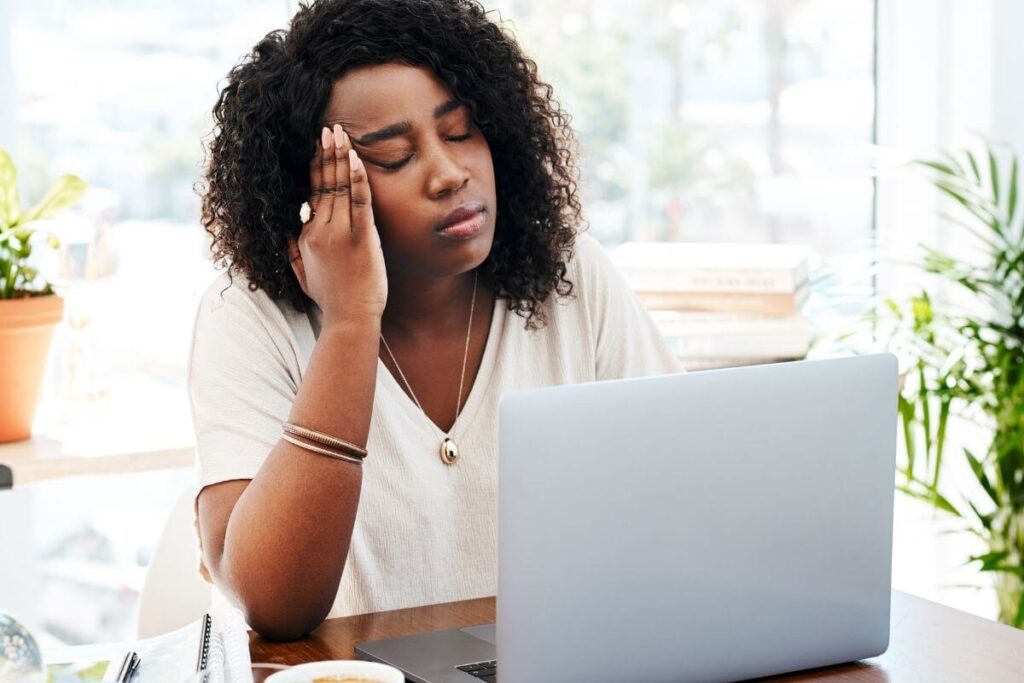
x=485, y=671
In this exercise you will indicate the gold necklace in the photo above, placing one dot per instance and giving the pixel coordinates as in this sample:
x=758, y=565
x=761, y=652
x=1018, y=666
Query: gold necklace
x=449, y=449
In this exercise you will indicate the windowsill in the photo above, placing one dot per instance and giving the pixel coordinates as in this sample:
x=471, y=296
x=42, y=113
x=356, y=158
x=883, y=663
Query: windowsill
x=139, y=425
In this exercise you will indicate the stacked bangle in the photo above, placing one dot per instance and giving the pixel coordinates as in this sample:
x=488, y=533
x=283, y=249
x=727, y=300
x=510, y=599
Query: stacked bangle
x=321, y=443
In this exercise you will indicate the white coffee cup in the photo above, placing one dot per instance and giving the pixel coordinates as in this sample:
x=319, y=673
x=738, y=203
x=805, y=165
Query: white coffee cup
x=370, y=671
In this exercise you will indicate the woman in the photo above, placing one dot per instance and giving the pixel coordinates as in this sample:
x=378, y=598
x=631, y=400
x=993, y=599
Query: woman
x=438, y=268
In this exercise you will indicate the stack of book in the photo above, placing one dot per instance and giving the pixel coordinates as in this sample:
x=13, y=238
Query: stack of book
x=721, y=305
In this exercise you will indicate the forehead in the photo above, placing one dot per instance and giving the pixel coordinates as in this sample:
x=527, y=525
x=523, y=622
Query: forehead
x=384, y=93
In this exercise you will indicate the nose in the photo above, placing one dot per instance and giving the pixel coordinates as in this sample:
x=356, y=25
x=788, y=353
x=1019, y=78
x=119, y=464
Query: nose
x=448, y=173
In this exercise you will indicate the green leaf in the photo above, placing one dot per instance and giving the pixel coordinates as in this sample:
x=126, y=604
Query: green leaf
x=975, y=206
x=906, y=409
x=10, y=206
x=938, y=166
x=975, y=169
x=986, y=520
x=954, y=162
x=1011, y=208
x=993, y=171
x=926, y=418
x=977, y=533
x=973, y=230
x=979, y=473
x=62, y=194
x=936, y=261
x=990, y=561
x=921, y=307
x=931, y=496
x=940, y=437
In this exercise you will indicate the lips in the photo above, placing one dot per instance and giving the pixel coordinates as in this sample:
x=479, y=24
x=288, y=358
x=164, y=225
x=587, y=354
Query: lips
x=461, y=213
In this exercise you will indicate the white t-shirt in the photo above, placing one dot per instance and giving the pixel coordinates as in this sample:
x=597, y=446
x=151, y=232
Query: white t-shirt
x=425, y=532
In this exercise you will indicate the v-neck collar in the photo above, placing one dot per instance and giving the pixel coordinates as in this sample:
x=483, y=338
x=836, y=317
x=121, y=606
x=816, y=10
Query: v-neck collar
x=475, y=397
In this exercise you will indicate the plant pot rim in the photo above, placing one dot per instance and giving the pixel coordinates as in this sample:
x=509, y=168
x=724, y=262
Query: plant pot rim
x=31, y=311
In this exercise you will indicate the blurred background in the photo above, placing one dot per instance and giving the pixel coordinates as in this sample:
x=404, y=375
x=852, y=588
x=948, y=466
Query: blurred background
x=760, y=121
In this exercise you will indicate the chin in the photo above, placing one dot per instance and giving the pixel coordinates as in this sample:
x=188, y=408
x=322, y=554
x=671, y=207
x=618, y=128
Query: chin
x=473, y=253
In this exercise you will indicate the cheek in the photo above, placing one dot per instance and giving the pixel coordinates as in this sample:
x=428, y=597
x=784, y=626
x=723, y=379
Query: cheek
x=483, y=164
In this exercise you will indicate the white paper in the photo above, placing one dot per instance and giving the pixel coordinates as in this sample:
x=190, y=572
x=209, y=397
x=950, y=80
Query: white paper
x=172, y=657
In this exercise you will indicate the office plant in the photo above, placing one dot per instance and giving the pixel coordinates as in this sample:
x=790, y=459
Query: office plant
x=964, y=336
x=29, y=309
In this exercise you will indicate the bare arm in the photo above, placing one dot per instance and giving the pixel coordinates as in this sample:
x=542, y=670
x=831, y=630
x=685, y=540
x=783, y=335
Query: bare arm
x=276, y=545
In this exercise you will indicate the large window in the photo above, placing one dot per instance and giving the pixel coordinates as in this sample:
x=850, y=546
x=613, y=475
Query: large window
x=715, y=120
x=707, y=120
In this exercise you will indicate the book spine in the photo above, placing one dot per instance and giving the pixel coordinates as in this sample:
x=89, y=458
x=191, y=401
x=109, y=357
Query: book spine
x=748, y=326
x=771, y=305
x=695, y=364
x=760, y=280
x=767, y=346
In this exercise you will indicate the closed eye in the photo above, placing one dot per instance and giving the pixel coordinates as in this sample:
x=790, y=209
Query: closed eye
x=399, y=164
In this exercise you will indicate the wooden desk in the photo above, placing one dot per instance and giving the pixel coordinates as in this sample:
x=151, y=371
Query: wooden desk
x=930, y=643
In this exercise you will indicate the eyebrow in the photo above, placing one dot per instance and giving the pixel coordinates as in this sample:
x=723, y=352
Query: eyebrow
x=404, y=127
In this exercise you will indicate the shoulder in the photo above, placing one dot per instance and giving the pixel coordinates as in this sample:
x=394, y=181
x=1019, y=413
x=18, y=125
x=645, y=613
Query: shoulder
x=588, y=255
x=230, y=306
x=591, y=272
x=593, y=269
x=230, y=292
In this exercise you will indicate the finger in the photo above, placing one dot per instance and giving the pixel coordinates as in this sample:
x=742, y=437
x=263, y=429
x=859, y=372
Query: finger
x=340, y=218
x=295, y=261
x=316, y=178
x=362, y=210
x=328, y=168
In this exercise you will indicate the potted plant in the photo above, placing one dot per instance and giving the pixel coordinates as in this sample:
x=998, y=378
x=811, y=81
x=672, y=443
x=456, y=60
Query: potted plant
x=28, y=310
x=962, y=341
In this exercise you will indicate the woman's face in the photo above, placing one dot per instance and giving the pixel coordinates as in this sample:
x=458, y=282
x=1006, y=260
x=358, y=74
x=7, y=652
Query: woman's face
x=410, y=134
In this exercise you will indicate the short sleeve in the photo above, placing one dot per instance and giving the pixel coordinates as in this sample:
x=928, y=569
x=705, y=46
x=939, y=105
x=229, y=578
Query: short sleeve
x=628, y=342
x=241, y=385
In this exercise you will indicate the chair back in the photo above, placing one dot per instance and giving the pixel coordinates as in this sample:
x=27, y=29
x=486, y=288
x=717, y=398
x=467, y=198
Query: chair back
x=173, y=593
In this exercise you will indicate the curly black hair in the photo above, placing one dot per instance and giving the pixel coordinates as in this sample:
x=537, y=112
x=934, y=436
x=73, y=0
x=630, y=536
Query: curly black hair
x=268, y=116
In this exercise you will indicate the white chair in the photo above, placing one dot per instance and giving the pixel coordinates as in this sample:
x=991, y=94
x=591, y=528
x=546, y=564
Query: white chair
x=174, y=594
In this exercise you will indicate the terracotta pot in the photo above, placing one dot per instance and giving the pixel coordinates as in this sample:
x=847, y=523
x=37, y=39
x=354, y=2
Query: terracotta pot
x=26, y=327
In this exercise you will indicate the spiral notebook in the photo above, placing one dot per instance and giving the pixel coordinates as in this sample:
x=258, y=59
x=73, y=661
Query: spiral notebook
x=216, y=647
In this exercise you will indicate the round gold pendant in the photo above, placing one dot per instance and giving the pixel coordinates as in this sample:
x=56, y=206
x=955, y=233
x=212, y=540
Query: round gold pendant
x=449, y=452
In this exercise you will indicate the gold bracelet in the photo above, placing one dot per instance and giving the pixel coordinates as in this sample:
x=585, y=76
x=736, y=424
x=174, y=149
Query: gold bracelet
x=323, y=451
x=325, y=439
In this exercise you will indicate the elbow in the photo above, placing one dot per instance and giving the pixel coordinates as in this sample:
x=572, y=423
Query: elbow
x=278, y=613
x=280, y=618
x=280, y=627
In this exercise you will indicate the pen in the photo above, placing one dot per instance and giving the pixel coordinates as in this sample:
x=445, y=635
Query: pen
x=133, y=667
x=124, y=664
x=128, y=666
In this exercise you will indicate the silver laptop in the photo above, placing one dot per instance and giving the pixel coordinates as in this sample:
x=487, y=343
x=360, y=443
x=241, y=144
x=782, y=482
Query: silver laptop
x=700, y=527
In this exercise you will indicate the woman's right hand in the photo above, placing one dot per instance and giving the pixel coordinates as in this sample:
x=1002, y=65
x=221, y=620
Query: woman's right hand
x=337, y=257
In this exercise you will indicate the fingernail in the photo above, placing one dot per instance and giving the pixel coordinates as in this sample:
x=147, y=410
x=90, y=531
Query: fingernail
x=325, y=137
x=338, y=133
x=354, y=159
